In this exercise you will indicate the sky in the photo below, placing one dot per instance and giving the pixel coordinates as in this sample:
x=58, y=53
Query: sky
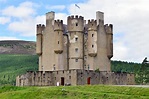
x=130, y=18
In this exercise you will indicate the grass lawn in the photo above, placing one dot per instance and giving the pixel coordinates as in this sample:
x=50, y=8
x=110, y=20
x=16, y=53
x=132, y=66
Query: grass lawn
x=74, y=92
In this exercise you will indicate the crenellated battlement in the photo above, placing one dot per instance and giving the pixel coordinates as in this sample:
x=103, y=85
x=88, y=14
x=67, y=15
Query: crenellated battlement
x=58, y=25
x=75, y=17
x=92, y=25
x=75, y=23
x=109, y=28
x=40, y=28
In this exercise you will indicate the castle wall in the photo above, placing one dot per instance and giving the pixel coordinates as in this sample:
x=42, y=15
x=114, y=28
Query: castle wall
x=74, y=77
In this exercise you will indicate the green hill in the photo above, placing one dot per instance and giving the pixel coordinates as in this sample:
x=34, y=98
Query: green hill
x=74, y=92
x=13, y=65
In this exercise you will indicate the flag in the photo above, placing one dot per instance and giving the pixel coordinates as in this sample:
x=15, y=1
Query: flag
x=77, y=6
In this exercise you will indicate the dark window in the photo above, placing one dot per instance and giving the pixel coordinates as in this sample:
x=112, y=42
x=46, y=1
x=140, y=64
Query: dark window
x=76, y=24
x=58, y=42
x=76, y=39
x=92, y=35
x=76, y=49
x=69, y=77
x=76, y=60
x=54, y=66
x=92, y=46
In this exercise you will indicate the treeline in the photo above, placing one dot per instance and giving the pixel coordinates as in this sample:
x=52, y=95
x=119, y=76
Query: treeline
x=128, y=67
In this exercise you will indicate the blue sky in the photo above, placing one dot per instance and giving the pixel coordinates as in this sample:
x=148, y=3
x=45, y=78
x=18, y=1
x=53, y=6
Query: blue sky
x=18, y=19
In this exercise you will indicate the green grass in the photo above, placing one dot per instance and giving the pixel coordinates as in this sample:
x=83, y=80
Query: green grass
x=14, y=65
x=74, y=92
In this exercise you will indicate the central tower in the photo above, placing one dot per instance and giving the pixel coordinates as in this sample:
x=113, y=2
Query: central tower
x=75, y=27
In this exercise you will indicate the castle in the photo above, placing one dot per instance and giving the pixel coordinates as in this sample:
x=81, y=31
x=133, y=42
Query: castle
x=74, y=54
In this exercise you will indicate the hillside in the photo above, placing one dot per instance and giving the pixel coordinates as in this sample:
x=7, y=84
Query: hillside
x=74, y=92
x=13, y=65
x=17, y=47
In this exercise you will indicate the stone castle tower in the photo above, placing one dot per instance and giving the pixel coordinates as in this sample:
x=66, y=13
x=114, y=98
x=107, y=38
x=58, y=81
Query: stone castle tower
x=77, y=45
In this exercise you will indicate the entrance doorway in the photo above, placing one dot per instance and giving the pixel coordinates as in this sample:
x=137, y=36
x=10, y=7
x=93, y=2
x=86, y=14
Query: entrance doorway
x=89, y=80
x=62, y=81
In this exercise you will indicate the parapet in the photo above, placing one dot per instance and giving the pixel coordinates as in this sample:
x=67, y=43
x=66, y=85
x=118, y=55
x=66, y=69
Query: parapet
x=75, y=23
x=58, y=25
x=92, y=25
x=40, y=28
x=109, y=28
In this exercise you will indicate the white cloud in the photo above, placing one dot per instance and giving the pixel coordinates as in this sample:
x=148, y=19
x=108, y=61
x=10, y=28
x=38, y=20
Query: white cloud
x=56, y=7
x=7, y=38
x=23, y=18
x=129, y=18
x=61, y=16
x=4, y=20
x=25, y=9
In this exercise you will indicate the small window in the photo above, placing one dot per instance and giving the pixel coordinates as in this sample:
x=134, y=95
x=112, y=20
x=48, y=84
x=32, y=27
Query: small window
x=58, y=42
x=76, y=24
x=69, y=77
x=92, y=35
x=84, y=66
x=88, y=67
x=58, y=33
x=54, y=66
x=76, y=60
x=76, y=49
x=76, y=39
x=55, y=78
x=92, y=46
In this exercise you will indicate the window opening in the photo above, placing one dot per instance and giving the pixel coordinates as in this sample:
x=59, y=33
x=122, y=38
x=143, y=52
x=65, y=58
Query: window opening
x=54, y=66
x=76, y=49
x=76, y=60
x=76, y=39
x=58, y=42
x=92, y=46
x=76, y=24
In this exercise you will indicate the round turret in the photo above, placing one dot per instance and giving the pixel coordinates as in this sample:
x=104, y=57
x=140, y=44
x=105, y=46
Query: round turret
x=109, y=31
x=58, y=25
x=40, y=29
x=92, y=38
x=58, y=33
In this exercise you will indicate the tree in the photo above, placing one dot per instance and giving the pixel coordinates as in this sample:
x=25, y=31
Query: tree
x=142, y=76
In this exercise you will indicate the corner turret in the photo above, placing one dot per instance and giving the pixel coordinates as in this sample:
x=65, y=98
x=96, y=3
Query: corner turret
x=40, y=29
x=109, y=32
